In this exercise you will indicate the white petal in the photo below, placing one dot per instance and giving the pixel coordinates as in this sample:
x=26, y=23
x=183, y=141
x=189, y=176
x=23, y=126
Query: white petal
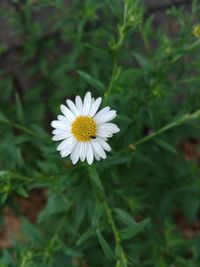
x=75, y=153
x=95, y=106
x=87, y=103
x=68, y=114
x=59, y=125
x=65, y=144
x=107, y=116
x=97, y=157
x=59, y=131
x=63, y=119
x=98, y=149
x=109, y=127
x=104, y=134
x=90, y=155
x=79, y=104
x=101, y=112
x=82, y=151
x=73, y=107
x=104, y=144
x=59, y=137
x=66, y=151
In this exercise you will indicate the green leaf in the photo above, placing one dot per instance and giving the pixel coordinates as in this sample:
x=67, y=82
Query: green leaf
x=21, y=191
x=89, y=233
x=6, y=259
x=131, y=231
x=165, y=145
x=31, y=232
x=5, y=174
x=130, y=75
x=92, y=81
x=3, y=117
x=105, y=246
x=124, y=119
x=142, y=61
x=70, y=251
x=86, y=235
x=40, y=132
x=56, y=204
x=125, y=217
x=19, y=109
x=95, y=177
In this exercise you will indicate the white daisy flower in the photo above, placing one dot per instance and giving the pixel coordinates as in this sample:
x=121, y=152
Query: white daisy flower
x=83, y=130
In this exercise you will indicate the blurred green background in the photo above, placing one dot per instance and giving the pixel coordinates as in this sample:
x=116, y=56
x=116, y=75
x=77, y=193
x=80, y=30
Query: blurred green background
x=143, y=58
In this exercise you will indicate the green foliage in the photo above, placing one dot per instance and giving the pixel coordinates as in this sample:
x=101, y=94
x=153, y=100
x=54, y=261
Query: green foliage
x=136, y=207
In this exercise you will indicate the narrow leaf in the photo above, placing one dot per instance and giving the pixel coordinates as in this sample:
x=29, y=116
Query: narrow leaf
x=70, y=251
x=105, y=246
x=3, y=117
x=21, y=191
x=19, y=109
x=92, y=81
x=125, y=217
x=131, y=231
x=165, y=145
x=86, y=235
x=31, y=232
x=142, y=61
x=95, y=177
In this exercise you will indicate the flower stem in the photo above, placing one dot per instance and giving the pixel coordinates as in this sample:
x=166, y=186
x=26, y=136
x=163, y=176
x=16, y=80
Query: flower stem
x=116, y=44
x=121, y=254
x=183, y=119
x=111, y=82
x=101, y=196
x=17, y=126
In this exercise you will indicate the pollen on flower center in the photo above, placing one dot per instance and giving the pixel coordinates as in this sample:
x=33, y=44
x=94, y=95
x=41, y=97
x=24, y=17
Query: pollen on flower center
x=83, y=128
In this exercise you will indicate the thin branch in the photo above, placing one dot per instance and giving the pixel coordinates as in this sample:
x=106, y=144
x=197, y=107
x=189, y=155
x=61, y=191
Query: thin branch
x=179, y=121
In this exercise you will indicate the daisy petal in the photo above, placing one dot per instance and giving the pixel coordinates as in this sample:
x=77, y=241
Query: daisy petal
x=68, y=114
x=59, y=125
x=98, y=149
x=58, y=131
x=109, y=127
x=65, y=144
x=107, y=116
x=66, y=151
x=87, y=103
x=63, y=118
x=59, y=137
x=90, y=155
x=75, y=154
x=95, y=106
x=97, y=157
x=104, y=144
x=82, y=151
x=101, y=112
x=104, y=134
x=79, y=104
x=72, y=107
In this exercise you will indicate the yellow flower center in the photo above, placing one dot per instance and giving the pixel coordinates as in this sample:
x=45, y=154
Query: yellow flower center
x=84, y=128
